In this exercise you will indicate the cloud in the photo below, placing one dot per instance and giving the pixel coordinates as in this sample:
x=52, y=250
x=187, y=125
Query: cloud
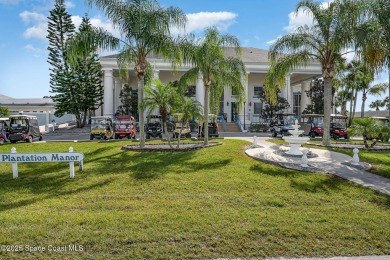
x=69, y=4
x=35, y=51
x=299, y=19
x=38, y=22
x=197, y=22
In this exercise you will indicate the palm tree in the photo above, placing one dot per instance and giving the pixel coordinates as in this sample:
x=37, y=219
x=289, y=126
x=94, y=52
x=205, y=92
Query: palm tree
x=145, y=29
x=374, y=35
x=377, y=104
x=161, y=97
x=189, y=109
x=325, y=41
x=208, y=59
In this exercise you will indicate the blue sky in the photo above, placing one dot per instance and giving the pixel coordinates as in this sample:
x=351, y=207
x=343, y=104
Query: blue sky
x=23, y=46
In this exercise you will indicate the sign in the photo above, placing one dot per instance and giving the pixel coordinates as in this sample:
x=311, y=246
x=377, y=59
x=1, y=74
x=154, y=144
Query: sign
x=41, y=157
x=16, y=158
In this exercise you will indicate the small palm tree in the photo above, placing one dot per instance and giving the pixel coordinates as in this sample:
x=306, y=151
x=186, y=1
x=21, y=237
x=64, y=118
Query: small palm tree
x=161, y=97
x=207, y=56
x=368, y=127
x=377, y=104
x=189, y=109
x=325, y=41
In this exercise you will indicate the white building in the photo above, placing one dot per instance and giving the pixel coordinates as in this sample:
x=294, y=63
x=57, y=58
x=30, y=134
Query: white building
x=256, y=61
x=42, y=108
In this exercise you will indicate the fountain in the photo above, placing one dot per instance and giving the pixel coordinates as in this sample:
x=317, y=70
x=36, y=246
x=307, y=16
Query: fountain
x=295, y=140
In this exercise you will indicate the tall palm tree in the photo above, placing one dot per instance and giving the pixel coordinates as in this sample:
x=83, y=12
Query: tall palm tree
x=161, y=97
x=145, y=29
x=325, y=41
x=207, y=56
x=374, y=35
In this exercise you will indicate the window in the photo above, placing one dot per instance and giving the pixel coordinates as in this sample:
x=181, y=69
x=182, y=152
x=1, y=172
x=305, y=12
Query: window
x=257, y=107
x=257, y=91
x=191, y=91
x=297, y=103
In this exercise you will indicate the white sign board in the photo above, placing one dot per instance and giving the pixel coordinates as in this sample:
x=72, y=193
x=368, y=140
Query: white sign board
x=16, y=158
x=41, y=157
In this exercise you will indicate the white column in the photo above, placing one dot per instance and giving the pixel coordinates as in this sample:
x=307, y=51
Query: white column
x=117, y=91
x=108, y=93
x=156, y=74
x=289, y=94
x=305, y=86
x=200, y=90
x=244, y=107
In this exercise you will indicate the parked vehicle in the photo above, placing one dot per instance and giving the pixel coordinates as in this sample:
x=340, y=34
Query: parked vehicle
x=282, y=123
x=212, y=127
x=4, y=129
x=312, y=125
x=153, y=127
x=102, y=128
x=338, y=126
x=24, y=128
x=125, y=127
x=180, y=129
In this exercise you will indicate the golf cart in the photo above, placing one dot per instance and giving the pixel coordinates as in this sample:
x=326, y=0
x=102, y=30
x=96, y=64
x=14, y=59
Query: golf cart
x=181, y=129
x=102, y=128
x=312, y=125
x=4, y=129
x=212, y=126
x=338, y=126
x=24, y=128
x=282, y=123
x=124, y=127
x=153, y=127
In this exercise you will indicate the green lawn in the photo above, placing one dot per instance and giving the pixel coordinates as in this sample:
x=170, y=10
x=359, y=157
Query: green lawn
x=210, y=203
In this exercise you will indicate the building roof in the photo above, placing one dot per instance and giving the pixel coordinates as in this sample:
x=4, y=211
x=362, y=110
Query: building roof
x=249, y=54
x=9, y=101
x=371, y=113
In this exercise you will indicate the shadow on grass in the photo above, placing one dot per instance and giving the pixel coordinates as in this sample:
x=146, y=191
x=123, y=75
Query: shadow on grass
x=146, y=165
x=298, y=180
x=48, y=187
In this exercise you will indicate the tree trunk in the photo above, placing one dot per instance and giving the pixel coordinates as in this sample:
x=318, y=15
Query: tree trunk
x=84, y=118
x=141, y=83
x=350, y=110
x=166, y=133
x=206, y=114
x=364, y=98
x=327, y=109
x=78, y=120
x=388, y=71
x=344, y=108
x=354, y=105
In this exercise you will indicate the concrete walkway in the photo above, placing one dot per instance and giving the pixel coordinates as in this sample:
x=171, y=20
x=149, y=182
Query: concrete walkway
x=319, y=161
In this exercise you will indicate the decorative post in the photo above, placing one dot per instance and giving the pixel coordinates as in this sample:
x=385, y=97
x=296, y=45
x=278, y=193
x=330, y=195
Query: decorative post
x=355, y=159
x=304, y=160
x=254, y=145
x=71, y=164
x=14, y=165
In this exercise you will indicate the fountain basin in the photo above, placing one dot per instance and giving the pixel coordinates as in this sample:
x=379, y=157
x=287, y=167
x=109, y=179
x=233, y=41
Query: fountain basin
x=295, y=143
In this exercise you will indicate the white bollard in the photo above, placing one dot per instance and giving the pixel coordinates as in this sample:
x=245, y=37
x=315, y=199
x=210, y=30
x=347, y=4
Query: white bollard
x=14, y=165
x=254, y=142
x=355, y=159
x=304, y=159
x=71, y=164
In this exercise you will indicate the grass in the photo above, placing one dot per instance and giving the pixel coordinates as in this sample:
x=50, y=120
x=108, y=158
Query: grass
x=379, y=159
x=209, y=203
